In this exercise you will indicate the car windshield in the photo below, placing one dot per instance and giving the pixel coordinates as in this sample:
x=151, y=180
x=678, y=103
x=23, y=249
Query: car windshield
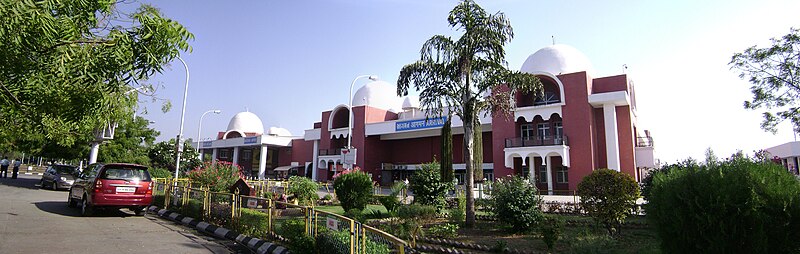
x=65, y=170
x=128, y=173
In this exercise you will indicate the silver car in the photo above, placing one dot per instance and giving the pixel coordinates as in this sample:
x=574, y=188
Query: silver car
x=59, y=177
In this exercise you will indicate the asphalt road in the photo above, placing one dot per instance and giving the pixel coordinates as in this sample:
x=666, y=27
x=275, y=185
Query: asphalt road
x=33, y=220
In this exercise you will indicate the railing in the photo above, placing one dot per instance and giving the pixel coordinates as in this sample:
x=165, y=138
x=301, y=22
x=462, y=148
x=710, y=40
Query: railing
x=537, y=141
x=242, y=213
x=644, y=141
x=323, y=152
x=264, y=186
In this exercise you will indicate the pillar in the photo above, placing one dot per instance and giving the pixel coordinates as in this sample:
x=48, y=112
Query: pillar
x=612, y=139
x=214, y=156
x=549, y=175
x=315, y=160
x=262, y=162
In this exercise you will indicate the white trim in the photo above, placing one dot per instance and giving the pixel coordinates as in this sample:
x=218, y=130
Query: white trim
x=612, y=136
x=618, y=98
x=536, y=151
x=312, y=134
x=333, y=113
x=528, y=113
x=340, y=133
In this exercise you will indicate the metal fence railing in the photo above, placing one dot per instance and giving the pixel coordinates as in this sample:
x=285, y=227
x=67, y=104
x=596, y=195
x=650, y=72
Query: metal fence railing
x=263, y=217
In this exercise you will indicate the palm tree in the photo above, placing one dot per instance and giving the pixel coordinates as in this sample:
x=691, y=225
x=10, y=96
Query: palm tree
x=467, y=76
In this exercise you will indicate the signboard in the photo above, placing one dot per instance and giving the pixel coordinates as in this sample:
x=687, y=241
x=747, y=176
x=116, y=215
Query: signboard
x=252, y=203
x=250, y=140
x=420, y=124
x=349, y=156
x=207, y=144
x=332, y=223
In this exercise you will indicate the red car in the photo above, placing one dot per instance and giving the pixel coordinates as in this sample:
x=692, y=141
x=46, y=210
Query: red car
x=113, y=186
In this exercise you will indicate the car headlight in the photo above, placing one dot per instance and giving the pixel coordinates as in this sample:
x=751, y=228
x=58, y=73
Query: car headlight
x=63, y=179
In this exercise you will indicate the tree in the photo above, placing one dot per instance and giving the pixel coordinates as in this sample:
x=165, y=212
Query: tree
x=428, y=187
x=774, y=73
x=446, y=164
x=457, y=74
x=477, y=160
x=608, y=196
x=69, y=67
x=130, y=144
x=711, y=158
x=162, y=155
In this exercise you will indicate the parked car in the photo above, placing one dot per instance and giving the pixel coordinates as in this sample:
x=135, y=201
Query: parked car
x=58, y=177
x=112, y=186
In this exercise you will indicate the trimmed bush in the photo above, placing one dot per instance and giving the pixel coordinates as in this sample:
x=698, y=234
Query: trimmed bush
x=446, y=230
x=295, y=231
x=253, y=223
x=338, y=242
x=609, y=197
x=515, y=203
x=219, y=176
x=353, y=189
x=551, y=229
x=459, y=213
x=303, y=189
x=193, y=208
x=735, y=206
x=428, y=188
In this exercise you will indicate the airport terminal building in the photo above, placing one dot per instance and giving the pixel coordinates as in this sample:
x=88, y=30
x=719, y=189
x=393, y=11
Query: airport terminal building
x=579, y=124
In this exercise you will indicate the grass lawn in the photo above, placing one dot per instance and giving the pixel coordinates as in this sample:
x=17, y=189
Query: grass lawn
x=338, y=209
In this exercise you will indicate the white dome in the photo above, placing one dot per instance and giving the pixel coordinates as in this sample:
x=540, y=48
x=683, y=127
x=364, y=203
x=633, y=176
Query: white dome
x=246, y=122
x=410, y=102
x=277, y=131
x=557, y=59
x=377, y=94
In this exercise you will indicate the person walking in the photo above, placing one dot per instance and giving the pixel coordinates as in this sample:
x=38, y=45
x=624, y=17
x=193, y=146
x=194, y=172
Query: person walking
x=17, y=163
x=4, y=167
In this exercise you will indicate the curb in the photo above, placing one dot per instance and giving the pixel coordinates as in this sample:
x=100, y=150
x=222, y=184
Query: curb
x=27, y=173
x=258, y=245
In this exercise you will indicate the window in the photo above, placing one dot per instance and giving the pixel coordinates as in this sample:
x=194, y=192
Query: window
x=544, y=130
x=559, y=129
x=489, y=175
x=525, y=171
x=561, y=175
x=126, y=173
x=526, y=131
x=543, y=174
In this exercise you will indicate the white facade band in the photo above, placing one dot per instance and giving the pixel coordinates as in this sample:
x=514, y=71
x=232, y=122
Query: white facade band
x=612, y=139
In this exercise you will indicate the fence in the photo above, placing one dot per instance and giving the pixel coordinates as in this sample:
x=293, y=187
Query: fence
x=264, y=217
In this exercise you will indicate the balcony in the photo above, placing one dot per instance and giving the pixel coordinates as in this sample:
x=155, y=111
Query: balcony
x=324, y=152
x=537, y=141
x=646, y=141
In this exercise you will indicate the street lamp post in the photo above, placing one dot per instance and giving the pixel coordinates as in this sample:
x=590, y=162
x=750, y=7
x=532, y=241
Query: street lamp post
x=200, y=126
x=350, y=109
x=178, y=144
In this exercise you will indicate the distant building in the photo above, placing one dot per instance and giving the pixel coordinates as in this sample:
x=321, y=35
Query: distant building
x=788, y=154
x=579, y=123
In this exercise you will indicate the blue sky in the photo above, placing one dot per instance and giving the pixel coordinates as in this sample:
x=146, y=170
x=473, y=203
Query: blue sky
x=287, y=61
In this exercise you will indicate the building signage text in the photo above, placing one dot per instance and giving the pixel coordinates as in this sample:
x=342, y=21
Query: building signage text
x=420, y=124
x=207, y=144
x=250, y=140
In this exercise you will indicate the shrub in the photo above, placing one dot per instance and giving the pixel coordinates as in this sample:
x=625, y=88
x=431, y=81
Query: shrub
x=353, y=189
x=735, y=206
x=156, y=172
x=458, y=214
x=193, y=208
x=550, y=229
x=591, y=244
x=295, y=231
x=608, y=197
x=428, y=188
x=647, y=182
x=329, y=241
x=355, y=214
x=516, y=204
x=416, y=212
x=304, y=189
x=446, y=230
x=499, y=246
x=390, y=202
x=253, y=223
x=219, y=176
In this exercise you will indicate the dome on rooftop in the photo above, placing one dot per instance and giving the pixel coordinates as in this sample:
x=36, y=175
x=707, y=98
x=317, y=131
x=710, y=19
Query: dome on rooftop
x=556, y=60
x=277, y=131
x=243, y=123
x=377, y=94
x=410, y=102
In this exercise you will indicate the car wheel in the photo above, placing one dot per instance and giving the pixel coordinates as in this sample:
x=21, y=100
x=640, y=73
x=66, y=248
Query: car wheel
x=71, y=201
x=86, y=208
x=54, y=186
x=41, y=183
x=139, y=211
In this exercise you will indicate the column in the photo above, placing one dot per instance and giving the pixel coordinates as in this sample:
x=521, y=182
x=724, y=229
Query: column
x=315, y=160
x=235, y=159
x=214, y=156
x=612, y=139
x=262, y=162
x=549, y=176
x=531, y=171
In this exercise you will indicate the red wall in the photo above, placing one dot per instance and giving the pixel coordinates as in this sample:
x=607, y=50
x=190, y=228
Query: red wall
x=302, y=151
x=580, y=133
x=503, y=127
x=610, y=84
x=600, y=139
x=626, y=139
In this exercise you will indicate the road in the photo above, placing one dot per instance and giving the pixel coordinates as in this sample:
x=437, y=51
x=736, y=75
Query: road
x=33, y=220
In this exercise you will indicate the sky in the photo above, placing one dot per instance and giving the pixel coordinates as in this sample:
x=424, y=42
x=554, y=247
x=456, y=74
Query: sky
x=287, y=61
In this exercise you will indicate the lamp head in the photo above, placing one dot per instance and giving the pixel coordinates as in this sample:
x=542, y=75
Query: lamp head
x=217, y=111
x=373, y=77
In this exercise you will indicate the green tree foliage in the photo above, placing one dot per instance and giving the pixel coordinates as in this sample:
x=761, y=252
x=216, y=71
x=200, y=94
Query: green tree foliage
x=353, y=189
x=774, y=73
x=455, y=74
x=219, y=176
x=428, y=187
x=737, y=206
x=304, y=189
x=130, y=143
x=515, y=203
x=68, y=67
x=446, y=163
x=647, y=182
x=162, y=155
x=477, y=156
x=609, y=197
